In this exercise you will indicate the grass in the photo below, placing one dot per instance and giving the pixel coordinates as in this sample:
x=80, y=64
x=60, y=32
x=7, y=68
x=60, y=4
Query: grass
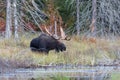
x=55, y=77
x=111, y=76
x=79, y=51
x=115, y=76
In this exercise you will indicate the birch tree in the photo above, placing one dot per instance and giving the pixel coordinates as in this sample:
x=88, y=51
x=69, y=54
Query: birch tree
x=78, y=17
x=8, y=20
x=108, y=17
x=15, y=19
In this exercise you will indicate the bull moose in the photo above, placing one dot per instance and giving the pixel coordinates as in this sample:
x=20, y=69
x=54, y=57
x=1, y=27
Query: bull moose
x=45, y=43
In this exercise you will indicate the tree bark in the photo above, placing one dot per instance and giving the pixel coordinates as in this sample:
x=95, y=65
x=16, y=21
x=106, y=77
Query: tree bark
x=93, y=24
x=15, y=19
x=78, y=17
x=8, y=20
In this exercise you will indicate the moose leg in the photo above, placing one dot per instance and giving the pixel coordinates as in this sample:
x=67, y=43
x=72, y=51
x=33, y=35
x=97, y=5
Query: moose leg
x=34, y=49
x=39, y=50
x=57, y=50
x=44, y=50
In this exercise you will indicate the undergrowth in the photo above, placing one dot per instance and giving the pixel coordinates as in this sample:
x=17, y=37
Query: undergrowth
x=79, y=52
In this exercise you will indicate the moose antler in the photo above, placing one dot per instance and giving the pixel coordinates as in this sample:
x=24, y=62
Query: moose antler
x=62, y=33
x=49, y=33
x=63, y=36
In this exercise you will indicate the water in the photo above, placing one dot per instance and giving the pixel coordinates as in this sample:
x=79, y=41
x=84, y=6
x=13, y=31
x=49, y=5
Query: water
x=81, y=73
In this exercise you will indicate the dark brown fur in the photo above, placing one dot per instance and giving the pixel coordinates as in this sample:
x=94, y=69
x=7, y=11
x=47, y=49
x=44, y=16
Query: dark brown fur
x=45, y=43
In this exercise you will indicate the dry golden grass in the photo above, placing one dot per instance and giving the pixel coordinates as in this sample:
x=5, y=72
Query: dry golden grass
x=79, y=51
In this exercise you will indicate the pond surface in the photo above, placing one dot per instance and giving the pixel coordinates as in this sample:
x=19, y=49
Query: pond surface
x=81, y=73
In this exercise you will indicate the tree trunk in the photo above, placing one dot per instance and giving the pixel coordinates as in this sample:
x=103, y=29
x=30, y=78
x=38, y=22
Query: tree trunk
x=15, y=19
x=78, y=17
x=93, y=24
x=8, y=20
